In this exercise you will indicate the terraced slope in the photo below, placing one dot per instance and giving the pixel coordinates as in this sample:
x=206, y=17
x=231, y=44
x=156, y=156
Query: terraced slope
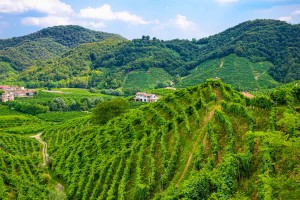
x=236, y=71
x=20, y=174
x=198, y=143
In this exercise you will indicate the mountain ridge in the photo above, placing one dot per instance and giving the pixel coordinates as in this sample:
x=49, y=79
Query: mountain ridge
x=258, y=41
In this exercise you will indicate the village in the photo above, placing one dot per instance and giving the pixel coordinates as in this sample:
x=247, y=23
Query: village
x=10, y=92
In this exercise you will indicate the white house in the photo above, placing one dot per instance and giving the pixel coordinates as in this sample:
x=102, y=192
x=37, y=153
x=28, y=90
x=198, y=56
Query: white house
x=145, y=97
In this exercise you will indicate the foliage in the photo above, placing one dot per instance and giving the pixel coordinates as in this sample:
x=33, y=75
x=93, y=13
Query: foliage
x=28, y=108
x=60, y=116
x=239, y=72
x=46, y=44
x=205, y=141
x=248, y=56
x=107, y=110
x=258, y=40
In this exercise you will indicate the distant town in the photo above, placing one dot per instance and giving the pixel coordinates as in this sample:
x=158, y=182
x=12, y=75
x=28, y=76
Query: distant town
x=10, y=92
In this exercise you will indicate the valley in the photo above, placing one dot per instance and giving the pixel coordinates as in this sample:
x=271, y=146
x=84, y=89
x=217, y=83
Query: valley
x=226, y=123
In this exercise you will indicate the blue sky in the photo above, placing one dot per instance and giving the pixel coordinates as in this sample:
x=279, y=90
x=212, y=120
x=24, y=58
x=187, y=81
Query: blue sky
x=168, y=19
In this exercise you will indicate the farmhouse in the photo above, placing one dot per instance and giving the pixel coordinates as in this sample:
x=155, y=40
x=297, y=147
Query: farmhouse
x=145, y=97
x=11, y=92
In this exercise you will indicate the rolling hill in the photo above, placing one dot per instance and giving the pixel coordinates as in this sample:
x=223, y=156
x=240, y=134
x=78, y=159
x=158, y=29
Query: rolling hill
x=239, y=72
x=257, y=54
x=46, y=44
x=201, y=142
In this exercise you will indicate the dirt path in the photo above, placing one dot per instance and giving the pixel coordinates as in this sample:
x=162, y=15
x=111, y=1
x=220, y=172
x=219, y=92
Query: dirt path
x=45, y=148
x=206, y=120
x=221, y=65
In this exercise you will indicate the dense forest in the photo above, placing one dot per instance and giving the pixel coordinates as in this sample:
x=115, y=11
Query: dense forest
x=201, y=142
x=70, y=56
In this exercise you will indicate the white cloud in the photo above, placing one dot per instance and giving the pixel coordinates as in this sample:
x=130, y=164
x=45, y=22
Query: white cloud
x=46, y=21
x=105, y=13
x=180, y=27
x=291, y=17
x=57, y=20
x=51, y=7
x=226, y=1
x=296, y=12
x=285, y=18
x=181, y=22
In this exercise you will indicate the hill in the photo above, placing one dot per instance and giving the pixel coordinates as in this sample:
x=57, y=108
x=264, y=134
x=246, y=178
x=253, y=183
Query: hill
x=259, y=40
x=202, y=142
x=239, y=72
x=258, y=54
x=45, y=44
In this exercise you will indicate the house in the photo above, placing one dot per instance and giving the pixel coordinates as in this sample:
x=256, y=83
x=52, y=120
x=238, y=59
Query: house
x=11, y=92
x=8, y=96
x=4, y=87
x=145, y=97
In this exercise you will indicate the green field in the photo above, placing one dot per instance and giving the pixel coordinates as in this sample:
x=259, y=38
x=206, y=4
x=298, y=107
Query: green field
x=61, y=116
x=236, y=71
x=145, y=80
x=43, y=96
x=4, y=110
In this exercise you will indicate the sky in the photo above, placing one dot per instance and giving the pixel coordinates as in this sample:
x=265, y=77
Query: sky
x=163, y=19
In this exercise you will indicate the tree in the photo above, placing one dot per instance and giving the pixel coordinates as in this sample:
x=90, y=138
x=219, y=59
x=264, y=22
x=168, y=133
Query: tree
x=107, y=110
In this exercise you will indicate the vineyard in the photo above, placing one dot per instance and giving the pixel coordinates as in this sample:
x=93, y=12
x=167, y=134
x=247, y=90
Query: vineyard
x=236, y=71
x=202, y=142
x=145, y=80
x=21, y=174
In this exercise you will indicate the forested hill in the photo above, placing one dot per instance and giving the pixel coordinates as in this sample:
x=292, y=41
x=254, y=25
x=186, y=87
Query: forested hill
x=45, y=44
x=69, y=36
x=252, y=55
x=259, y=40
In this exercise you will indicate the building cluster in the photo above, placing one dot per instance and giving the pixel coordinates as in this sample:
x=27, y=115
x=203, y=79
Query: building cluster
x=145, y=97
x=10, y=92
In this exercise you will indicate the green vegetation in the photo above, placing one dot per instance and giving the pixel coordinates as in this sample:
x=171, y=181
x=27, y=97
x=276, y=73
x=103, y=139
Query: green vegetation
x=206, y=141
x=61, y=116
x=236, y=71
x=200, y=142
x=248, y=56
x=46, y=44
x=107, y=110
x=21, y=176
x=145, y=80
x=259, y=40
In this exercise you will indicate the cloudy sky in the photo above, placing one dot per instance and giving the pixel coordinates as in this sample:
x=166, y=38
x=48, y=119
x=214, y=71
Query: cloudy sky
x=164, y=19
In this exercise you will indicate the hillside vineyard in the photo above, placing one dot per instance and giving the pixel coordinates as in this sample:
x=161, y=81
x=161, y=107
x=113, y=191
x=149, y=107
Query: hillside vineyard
x=105, y=117
x=201, y=142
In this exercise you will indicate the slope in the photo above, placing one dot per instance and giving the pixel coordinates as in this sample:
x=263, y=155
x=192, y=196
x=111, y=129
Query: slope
x=201, y=142
x=259, y=40
x=47, y=43
x=236, y=71
x=266, y=49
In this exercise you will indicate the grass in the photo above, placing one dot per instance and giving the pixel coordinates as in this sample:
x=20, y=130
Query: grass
x=145, y=80
x=236, y=71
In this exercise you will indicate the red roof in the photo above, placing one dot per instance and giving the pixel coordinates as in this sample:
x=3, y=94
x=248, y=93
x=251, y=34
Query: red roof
x=4, y=87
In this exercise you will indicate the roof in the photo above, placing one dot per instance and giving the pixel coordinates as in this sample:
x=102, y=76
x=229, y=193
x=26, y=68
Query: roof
x=144, y=94
x=4, y=87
